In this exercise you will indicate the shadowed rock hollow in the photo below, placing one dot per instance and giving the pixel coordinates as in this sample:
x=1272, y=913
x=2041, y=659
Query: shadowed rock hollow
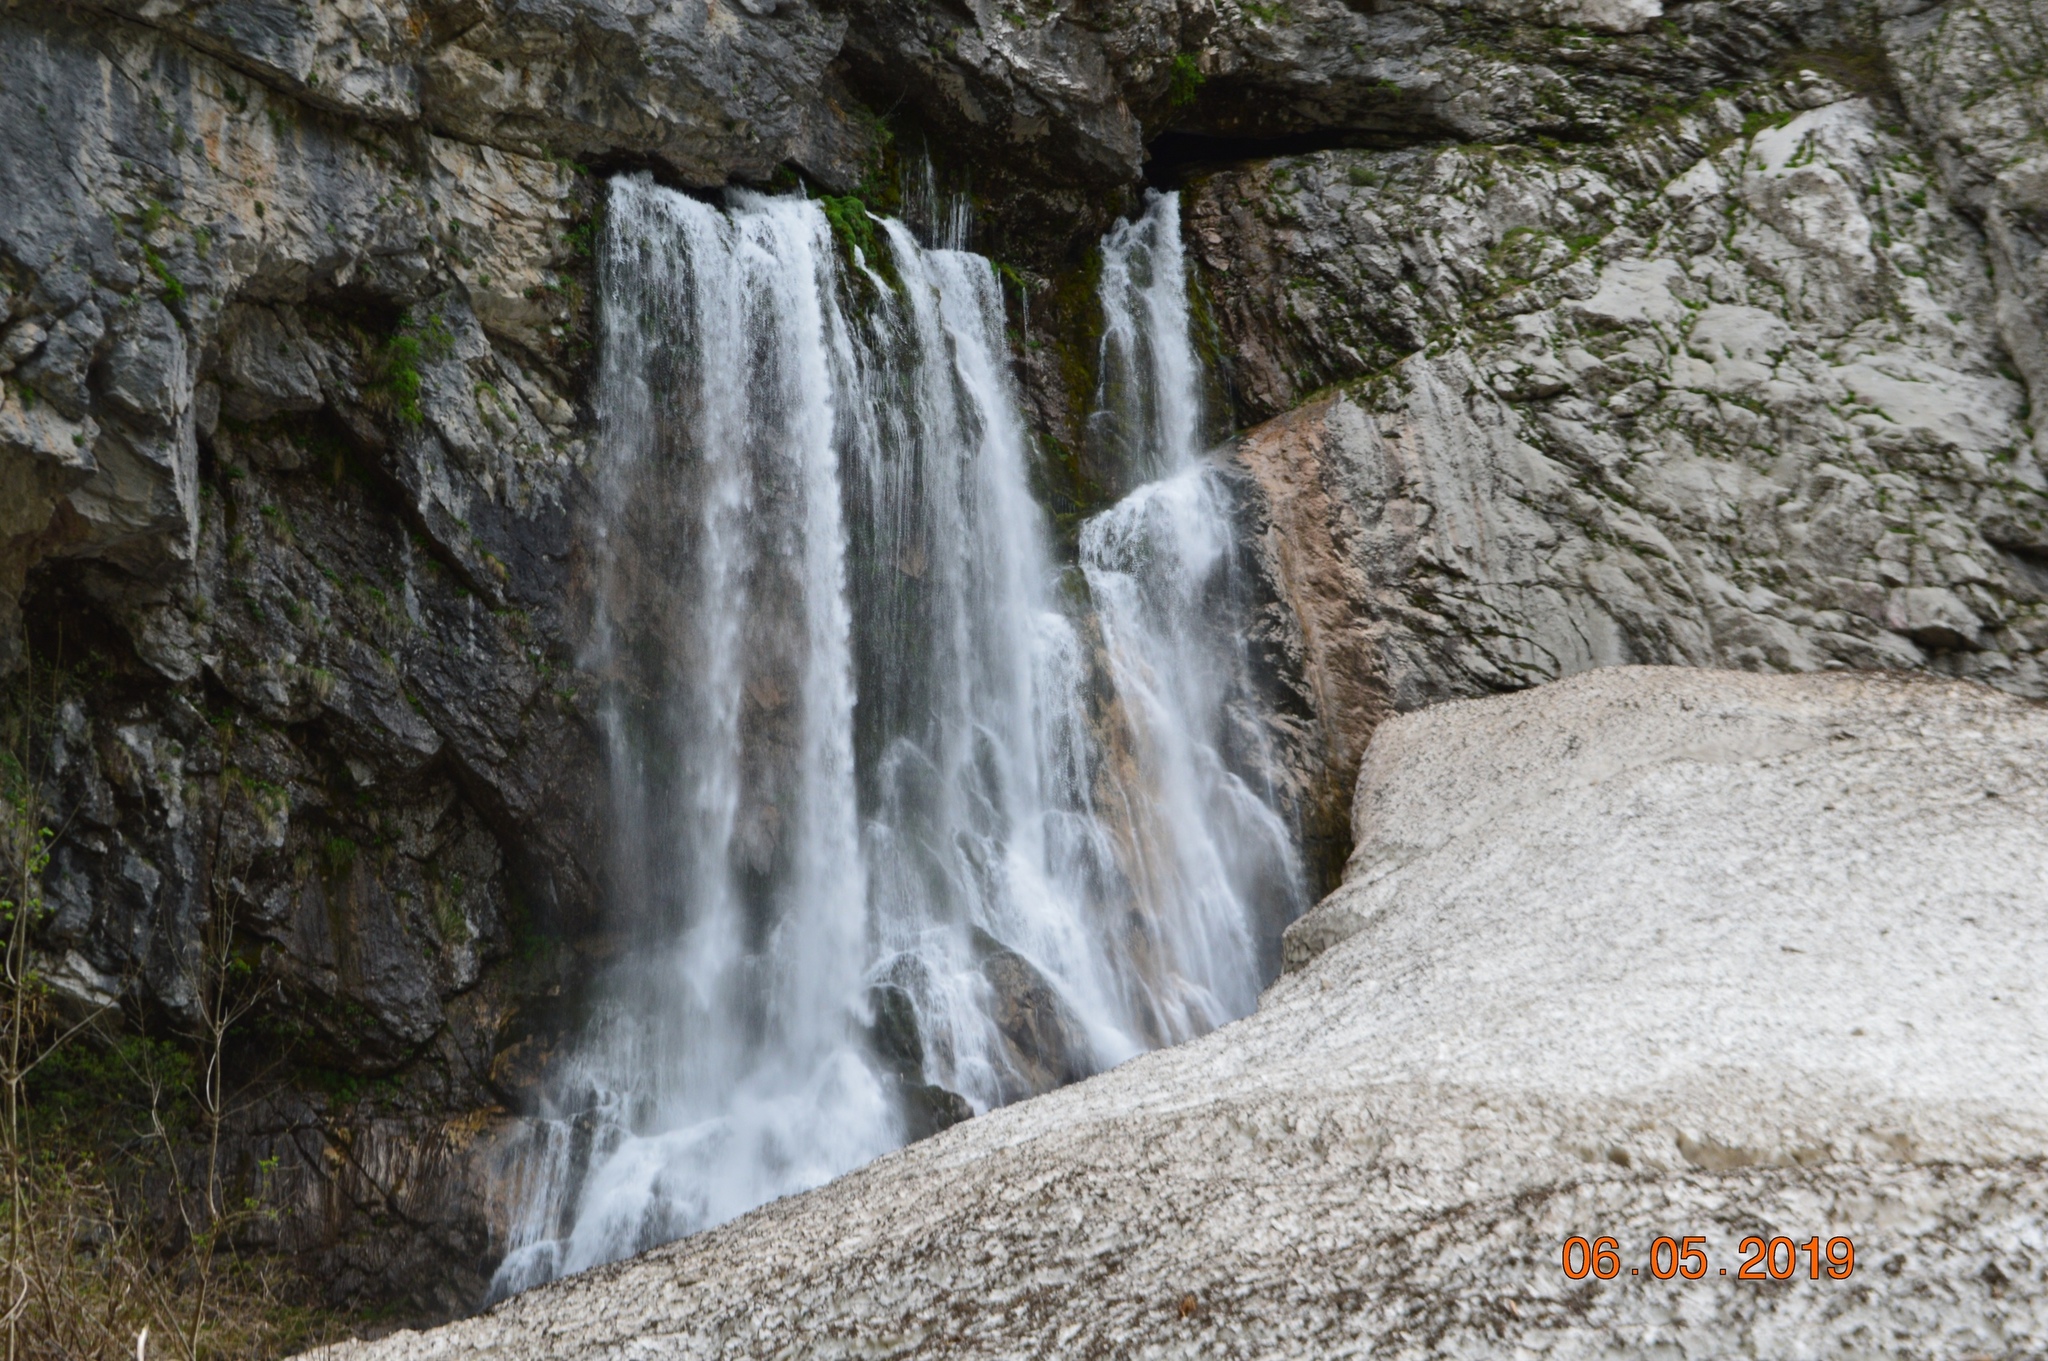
x=1647, y=951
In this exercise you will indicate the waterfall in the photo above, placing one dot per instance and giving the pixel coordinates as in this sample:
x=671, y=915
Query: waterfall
x=1162, y=575
x=909, y=821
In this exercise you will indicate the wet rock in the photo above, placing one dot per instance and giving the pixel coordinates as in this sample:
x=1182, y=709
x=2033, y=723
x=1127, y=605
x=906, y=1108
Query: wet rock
x=371, y=997
x=929, y=1108
x=894, y=1035
x=1041, y=1036
x=522, y=1072
x=897, y=1042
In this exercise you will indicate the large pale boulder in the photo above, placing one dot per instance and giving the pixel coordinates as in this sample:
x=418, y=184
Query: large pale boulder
x=1642, y=952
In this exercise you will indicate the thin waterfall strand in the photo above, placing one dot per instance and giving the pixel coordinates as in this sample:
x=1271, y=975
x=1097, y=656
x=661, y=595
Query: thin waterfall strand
x=1162, y=574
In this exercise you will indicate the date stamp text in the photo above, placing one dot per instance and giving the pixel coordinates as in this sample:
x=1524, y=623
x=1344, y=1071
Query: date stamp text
x=1763, y=1259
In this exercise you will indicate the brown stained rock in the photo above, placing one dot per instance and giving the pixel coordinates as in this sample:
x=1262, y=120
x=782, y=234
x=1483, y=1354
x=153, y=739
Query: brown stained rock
x=521, y=1071
x=1308, y=532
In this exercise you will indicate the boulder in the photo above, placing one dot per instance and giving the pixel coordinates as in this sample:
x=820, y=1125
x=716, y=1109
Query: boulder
x=1646, y=952
x=1042, y=1042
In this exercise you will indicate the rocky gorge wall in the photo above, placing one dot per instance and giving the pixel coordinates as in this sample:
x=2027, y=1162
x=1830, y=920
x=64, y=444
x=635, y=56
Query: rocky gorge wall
x=1581, y=333
x=1744, y=386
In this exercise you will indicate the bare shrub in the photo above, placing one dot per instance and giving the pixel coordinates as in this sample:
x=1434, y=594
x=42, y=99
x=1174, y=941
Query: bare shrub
x=119, y=1235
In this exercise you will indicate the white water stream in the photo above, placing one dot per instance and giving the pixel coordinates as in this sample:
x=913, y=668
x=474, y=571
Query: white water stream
x=905, y=814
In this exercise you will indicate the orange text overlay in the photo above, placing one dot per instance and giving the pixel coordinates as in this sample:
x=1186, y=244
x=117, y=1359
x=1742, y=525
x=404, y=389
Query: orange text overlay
x=1685, y=1259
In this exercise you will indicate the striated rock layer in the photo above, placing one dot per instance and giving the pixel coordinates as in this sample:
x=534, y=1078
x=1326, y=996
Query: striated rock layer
x=1745, y=385
x=1645, y=952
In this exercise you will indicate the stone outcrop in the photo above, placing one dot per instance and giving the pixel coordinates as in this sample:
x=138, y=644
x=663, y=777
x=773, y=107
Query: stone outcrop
x=1738, y=388
x=1645, y=952
x=290, y=436
x=715, y=92
x=1056, y=108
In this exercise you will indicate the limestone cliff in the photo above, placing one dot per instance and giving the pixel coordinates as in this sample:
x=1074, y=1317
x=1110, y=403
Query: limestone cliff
x=1584, y=332
x=1742, y=386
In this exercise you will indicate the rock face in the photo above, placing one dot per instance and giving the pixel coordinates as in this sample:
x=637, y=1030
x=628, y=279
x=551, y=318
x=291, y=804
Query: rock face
x=1644, y=952
x=1574, y=332
x=1737, y=388
x=1057, y=108
x=291, y=454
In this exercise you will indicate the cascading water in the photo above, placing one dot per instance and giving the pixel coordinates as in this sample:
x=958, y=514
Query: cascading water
x=904, y=826
x=1161, y=573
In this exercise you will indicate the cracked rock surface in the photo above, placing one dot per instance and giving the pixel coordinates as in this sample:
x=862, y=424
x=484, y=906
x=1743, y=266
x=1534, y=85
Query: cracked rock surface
x=289, y=452
x=1736, y=389
x=1648, y=951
